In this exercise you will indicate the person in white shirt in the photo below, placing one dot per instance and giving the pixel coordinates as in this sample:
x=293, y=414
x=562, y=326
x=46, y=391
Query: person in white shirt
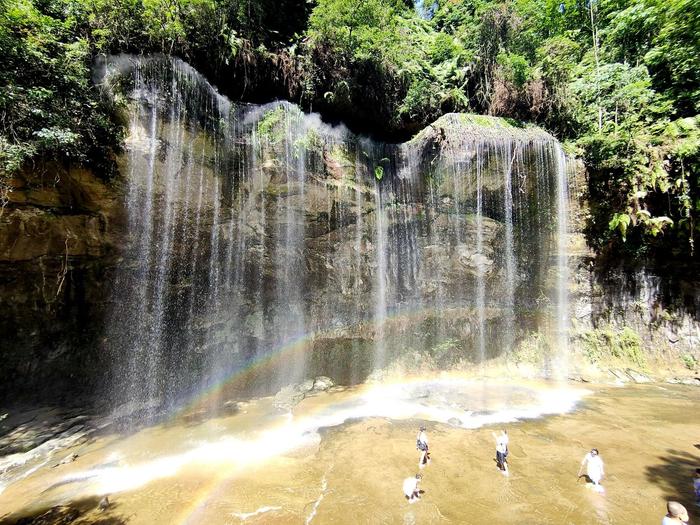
x=422, y=446
x=594, y=468
x=501, y=450
x=410, y=488
x=677, y=515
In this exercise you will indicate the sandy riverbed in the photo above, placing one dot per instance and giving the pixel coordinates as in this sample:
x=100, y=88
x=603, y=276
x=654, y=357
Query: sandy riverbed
x=263, y=466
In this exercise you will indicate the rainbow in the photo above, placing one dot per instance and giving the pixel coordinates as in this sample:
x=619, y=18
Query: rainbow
x=246, y=374
x=290, y=350
x=189, y=514
x=192, y=512
x=271, y=361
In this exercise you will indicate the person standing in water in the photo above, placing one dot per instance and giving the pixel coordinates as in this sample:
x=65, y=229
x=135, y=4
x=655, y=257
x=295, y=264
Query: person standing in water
x=410, y=488
x=696, y=486
x=594, y=468
x=422, y=446
x=676, y=515
x=501, y=450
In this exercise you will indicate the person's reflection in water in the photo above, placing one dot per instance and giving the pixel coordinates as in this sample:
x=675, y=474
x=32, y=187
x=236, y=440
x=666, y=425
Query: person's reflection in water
x=600, y=507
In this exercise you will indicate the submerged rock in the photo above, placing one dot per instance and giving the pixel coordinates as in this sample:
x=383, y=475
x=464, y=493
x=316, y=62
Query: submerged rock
x=24, y=431
x=68, y=459
x=287, y=398
x=290, y=396
x=60, y=515
x=103, y=504
x=694, y=381
x=638, y=377
x=619, y=375
x=322, y=383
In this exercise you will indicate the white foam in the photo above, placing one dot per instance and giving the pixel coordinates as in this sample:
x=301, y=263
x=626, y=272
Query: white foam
x=262, y=510
x=16, y=467
x=312, y=514
x=394, y=401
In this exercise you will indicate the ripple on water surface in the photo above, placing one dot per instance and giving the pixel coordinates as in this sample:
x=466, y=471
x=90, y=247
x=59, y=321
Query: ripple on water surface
x=260, y=432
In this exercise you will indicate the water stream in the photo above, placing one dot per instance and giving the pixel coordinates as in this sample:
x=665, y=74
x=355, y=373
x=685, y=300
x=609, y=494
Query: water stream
x=341, y=457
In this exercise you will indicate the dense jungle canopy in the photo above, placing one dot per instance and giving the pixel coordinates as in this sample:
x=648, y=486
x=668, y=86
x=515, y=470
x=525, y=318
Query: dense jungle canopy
x=618, y=81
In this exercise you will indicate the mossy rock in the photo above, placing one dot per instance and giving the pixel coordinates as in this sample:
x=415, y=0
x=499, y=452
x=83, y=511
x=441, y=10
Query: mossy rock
x=338, y=163
x=456, y=127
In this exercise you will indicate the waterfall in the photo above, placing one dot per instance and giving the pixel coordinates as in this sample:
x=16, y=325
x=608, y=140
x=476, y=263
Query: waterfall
x=265, y=246
x=380, y=283
x=425, y=9
x=480, y=269
x=510, y=156
x=562, y=296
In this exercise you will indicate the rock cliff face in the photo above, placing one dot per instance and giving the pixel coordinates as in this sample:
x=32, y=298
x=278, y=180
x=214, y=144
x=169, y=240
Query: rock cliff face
x=255, y=246
x=627, y=314
x=266, y=247
x=59, y=235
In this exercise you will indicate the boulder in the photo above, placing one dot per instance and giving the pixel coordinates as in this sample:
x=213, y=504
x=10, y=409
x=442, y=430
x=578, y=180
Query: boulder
x=637, y=377
x=291, y=395
x=287, y=398
x=578, y=378
x=68, y=459
x=322, y=383
x=693, y=381
x=619, y=375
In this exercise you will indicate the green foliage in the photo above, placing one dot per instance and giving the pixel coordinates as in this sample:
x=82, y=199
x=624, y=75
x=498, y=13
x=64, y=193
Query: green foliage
x=601, y=344
x=51, y=110
x=419, y=100
x=357, y=29
x=533, y=349
x=674, y=50
x=446, y=352
x=444, y=48
x=218, y=28
x=515, y=67
x=49, y=107
x=620, y=221
x=311, y=141
x=445, y=346
x=689, y=361
x=618, y=80
x=371, y=60
x=643, y=164
x=271, y=126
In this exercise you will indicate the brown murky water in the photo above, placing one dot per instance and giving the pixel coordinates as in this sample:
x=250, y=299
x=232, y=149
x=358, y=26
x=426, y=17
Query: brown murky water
x=261, y=466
